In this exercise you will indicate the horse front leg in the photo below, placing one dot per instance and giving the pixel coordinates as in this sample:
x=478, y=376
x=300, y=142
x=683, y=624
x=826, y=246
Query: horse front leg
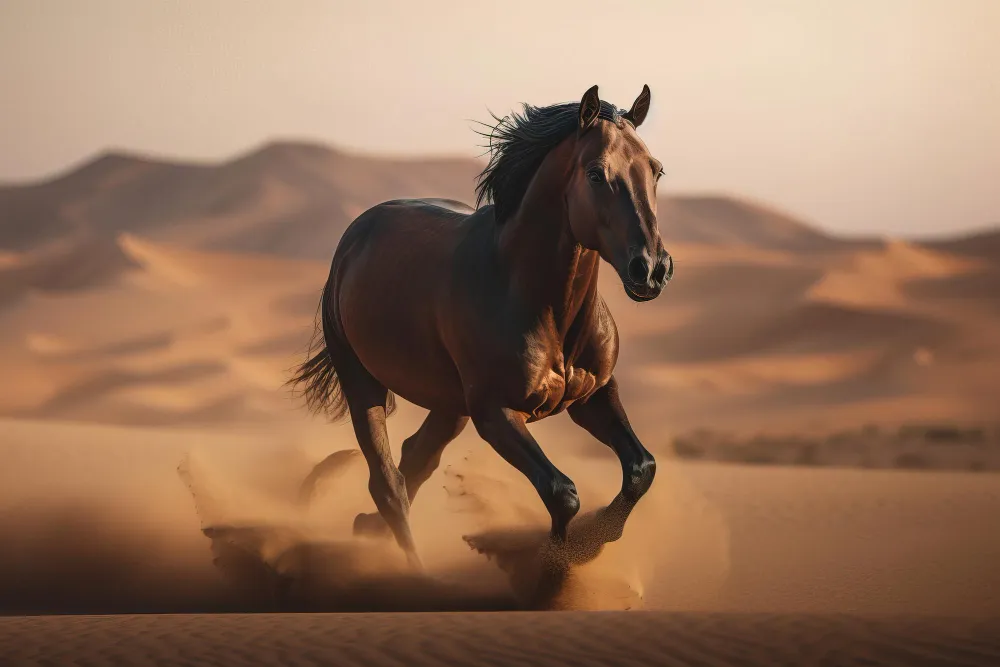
x=603, y=416
x=507, y=433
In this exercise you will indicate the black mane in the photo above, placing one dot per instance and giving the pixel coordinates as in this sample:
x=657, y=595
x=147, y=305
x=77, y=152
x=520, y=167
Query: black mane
x=517, y=145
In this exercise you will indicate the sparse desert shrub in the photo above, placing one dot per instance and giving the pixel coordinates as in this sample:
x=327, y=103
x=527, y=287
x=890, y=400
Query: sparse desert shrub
x=808, y=454
x=915, y=446
x=943, y=434
x=870, y=430
x=911, y=460
x=760, y=450
x=839, y=438
x=688, y=448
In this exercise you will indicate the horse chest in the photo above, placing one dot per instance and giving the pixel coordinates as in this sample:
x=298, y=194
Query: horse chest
x=556, y=388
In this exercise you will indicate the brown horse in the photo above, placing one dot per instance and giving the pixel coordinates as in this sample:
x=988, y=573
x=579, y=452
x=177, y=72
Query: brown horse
x=493, y=314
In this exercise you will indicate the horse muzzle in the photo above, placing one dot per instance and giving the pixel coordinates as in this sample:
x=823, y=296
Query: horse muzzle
x=644, y=280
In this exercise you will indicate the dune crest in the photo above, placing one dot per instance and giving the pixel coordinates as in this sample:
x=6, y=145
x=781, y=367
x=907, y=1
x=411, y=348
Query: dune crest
x=876, y=278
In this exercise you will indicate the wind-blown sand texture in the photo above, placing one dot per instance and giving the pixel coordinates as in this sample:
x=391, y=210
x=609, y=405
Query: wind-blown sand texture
x=374, y=640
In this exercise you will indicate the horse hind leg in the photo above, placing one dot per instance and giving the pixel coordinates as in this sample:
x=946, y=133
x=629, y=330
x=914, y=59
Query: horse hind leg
x=420, y=458
x=367, y=399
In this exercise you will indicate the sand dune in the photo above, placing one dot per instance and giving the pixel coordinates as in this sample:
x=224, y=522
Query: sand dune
x=974, y=289
x=874, y=279
x=296, y=198
x=178, y=336
x=897, y=323
x=982, y=244
x=287, y=198
x=142, y=291
x=716, y=220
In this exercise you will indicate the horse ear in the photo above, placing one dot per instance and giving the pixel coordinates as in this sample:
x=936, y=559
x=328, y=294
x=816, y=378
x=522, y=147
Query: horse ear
x=639, y=109
x=590, y=108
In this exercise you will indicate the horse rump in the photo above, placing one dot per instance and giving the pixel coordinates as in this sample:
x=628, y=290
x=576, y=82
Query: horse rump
x=317, y=377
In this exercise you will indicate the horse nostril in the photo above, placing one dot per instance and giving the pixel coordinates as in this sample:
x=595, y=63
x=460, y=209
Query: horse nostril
x=638, y=269
x=664, y=270
x=659, y=272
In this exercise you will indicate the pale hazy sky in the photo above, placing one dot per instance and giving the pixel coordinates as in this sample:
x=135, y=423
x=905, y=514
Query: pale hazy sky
x=858, y=115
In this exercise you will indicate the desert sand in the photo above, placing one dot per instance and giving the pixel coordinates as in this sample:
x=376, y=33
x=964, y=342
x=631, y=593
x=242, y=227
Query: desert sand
x=150, y=313
x=722, y=564
x=611, y=638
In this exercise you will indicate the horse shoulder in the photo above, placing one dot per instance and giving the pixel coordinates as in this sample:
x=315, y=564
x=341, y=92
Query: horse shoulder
x=599, y=352
x=586, y=367
x=592, y=364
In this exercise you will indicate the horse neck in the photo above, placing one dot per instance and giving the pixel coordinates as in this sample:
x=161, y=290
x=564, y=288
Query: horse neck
x=550, y=271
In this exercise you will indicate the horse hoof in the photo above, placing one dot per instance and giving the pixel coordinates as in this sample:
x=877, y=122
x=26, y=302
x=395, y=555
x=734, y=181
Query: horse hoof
x=371, y=525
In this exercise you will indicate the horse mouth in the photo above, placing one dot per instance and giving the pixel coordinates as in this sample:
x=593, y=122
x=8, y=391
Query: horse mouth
x=639, y=297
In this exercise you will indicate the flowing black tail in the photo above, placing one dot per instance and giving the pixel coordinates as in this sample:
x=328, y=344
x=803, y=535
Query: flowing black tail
x=317, y=377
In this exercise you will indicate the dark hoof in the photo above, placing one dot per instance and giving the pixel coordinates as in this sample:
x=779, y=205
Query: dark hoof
x=640, y=479
x=563, y=507
x=371, y=525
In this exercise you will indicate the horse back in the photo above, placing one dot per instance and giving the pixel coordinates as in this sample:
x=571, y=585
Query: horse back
x=452, y=205
x=390, y=290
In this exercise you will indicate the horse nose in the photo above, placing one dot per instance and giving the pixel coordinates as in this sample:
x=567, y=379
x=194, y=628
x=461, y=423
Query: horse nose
x=664, y=270
x=638, y=270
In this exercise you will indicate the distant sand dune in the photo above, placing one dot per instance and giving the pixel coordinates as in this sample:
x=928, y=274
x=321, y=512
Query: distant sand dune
x=876, y=279
x=127, y=270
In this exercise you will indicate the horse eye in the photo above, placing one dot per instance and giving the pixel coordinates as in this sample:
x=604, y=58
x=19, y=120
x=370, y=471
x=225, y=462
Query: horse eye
x=595, y=176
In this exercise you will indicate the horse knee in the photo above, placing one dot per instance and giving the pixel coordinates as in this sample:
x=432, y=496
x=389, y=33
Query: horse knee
x=418, y=465
x=408, y=445
x=639, y=477
x=408, y=458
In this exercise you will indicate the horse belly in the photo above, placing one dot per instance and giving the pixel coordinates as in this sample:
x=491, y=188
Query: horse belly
x=433, y=386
